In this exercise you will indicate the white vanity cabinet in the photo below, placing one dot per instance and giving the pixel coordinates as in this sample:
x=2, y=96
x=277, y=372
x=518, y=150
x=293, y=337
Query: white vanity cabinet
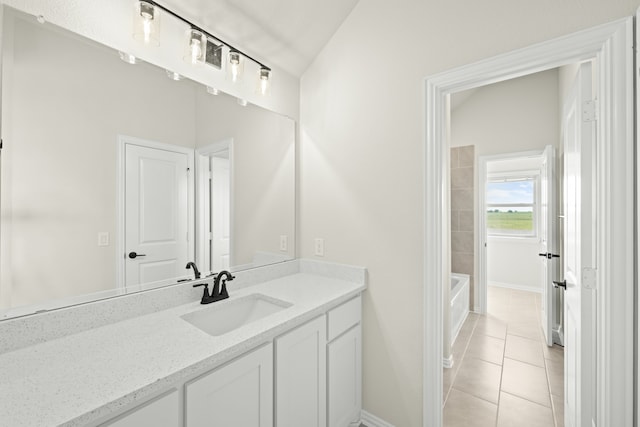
x=301, y=376
x=344, y=364
x=239, y=394
x=163, y=411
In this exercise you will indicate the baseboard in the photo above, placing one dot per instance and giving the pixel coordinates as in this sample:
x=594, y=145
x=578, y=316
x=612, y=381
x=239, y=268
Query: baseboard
x=515, y=287
x=371, y=420
x=447, y=362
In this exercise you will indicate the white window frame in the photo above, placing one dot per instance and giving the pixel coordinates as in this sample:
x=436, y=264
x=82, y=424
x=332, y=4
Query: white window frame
x=516, y=176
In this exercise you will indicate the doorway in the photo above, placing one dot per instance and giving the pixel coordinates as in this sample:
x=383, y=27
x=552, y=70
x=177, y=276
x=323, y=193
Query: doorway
x=503, y=341
x=610, y=45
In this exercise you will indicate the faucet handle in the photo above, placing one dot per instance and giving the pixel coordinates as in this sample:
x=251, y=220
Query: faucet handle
x=205, y=294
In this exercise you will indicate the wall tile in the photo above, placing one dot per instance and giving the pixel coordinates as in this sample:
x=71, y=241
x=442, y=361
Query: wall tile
x=466, y=156
x=455, y=222
x=454, y=158
x=462, y=199
x=462, y=241
x=462, y=263
x=462, y=178
x=465, y=221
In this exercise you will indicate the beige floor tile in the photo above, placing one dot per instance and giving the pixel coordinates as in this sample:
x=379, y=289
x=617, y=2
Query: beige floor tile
x=526, y=330
x=491, y=326
x=463, y=410
x=554, y=353
x=479, y=378
x=558, y=410
x=526, y=381
x=486, y=348
x=555, y=373
x=524, y=350
x=515, y=411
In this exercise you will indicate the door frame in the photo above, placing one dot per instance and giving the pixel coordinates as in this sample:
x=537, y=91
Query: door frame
x=480, y=291
x=612, y=47
x=201, y=188
x=120, y=240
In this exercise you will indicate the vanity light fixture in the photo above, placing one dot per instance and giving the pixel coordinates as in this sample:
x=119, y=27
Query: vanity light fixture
x=196, y=47
x=174, y=76
x=128, y=58
x=264, y=81
x=146, y=23
x=242, y=102
x=201, y=46
x=213, y=90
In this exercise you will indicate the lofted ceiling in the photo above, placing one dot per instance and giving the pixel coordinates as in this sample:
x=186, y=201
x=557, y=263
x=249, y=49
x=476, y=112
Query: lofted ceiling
x=283, y=33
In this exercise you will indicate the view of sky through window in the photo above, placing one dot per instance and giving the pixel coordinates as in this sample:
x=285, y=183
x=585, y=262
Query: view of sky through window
x=510, y=193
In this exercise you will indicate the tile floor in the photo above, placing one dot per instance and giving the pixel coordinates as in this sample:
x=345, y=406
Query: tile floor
x=504, y=375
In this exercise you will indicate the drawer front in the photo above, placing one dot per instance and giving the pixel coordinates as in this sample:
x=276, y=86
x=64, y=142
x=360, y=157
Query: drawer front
x=343, y=317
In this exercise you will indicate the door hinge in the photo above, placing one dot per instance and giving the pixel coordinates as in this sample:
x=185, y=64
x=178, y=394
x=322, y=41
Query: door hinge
x=590, y=110
x=210, y=236
x=589, y=280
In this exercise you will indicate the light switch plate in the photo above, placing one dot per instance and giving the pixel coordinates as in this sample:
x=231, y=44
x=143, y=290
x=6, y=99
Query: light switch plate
x=103, y=238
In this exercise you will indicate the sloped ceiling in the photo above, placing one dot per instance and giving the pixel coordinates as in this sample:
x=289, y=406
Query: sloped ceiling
x=283, y=33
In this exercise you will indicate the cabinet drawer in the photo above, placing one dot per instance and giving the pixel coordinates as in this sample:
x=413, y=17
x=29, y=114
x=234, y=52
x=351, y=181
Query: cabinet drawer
x=344, y=317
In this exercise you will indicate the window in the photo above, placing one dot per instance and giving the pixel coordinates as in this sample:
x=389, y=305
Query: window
x=511, y=206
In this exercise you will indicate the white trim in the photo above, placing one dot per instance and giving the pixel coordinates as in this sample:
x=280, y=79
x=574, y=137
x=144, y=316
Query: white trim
x=201, y=196
x=611, y=45
x=514, y=287
x=371, y=420
x=120, y=242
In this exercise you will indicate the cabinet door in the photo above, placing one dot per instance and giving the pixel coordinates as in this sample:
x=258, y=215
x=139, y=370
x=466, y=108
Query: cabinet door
x=162, y=412
x=239, y=394
x=345, y=378
x=301, y=398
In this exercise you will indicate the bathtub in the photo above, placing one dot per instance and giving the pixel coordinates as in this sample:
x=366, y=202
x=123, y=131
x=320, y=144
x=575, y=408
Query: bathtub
x=459, y=303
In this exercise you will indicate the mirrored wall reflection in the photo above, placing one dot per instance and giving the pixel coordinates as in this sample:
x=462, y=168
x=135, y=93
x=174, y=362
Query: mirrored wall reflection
x=114, y=176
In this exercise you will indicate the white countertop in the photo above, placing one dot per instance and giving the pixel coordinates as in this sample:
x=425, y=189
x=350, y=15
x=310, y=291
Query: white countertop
x=84, y=377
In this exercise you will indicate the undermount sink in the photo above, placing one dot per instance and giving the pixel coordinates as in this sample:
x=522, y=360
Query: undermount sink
x=220, y=318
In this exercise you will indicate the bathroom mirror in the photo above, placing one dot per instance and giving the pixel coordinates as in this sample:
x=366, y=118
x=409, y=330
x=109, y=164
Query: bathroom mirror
x=115, y=175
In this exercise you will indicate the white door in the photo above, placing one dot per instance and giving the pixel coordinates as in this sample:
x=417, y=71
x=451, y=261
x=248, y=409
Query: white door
x=579, y=248
x=220, y=213
x=156, y=214
x=548, y=239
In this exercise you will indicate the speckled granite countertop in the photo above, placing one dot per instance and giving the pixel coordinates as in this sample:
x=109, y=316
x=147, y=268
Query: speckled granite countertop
x=84, y=377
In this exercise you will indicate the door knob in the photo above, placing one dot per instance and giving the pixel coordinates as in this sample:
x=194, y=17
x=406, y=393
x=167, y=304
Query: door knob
x=134, y=255
x=562, y=284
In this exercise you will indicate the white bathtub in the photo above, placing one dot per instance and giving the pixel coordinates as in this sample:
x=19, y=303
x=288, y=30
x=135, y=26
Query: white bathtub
x=459, y=303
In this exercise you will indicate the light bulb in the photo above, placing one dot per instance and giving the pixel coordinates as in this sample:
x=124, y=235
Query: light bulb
x=146, y=23
x=174, y=76
x=196, y=46
x=242, y=102
x=235, y=66
x=264, y=81
x=213, y=90
x=128, y=58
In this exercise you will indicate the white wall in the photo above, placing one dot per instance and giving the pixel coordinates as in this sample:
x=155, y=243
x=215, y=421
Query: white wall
x=361, y=155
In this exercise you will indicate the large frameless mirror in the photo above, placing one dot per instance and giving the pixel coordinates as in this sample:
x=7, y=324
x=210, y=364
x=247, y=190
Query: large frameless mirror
x=115, y=175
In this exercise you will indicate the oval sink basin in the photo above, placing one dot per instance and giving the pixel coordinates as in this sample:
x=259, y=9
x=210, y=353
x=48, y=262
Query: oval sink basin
x=222, y=317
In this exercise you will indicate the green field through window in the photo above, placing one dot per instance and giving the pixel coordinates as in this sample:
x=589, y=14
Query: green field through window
x=510, y=222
